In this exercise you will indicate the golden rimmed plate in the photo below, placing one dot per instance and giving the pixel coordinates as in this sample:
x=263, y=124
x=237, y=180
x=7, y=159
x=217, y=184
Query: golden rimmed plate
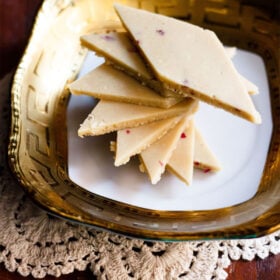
x=59, y=172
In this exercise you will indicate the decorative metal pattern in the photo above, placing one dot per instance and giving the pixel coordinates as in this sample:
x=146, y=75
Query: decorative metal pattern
x=38, y=148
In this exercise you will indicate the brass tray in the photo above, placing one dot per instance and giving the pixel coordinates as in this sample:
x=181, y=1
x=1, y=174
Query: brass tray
x=38, y=148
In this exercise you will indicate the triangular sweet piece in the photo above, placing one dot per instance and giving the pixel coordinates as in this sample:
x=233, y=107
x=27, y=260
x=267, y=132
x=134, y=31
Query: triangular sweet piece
x=133, y=141
x=117, y=47
x=188, y=60
x=231, y=52
x=118, y=50
x=156, y=156
x=250, y=86
x=204, y=158
x=108, y=83
x=128, y=146
x=181, y=162
x=108, y=116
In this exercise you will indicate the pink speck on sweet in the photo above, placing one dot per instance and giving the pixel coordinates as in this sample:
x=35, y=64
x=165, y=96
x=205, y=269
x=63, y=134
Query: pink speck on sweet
x=185, y=82
x=108, y=38
x=127, y=131
x=137, y=42
x=160, y=32
x=183, y=135
x=160, y=163
x=206, y=170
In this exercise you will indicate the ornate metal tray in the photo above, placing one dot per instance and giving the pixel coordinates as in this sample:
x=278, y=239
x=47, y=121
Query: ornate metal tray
x=38, y=149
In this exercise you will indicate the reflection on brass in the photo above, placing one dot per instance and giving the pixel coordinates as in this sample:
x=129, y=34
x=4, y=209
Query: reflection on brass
x=38, y=148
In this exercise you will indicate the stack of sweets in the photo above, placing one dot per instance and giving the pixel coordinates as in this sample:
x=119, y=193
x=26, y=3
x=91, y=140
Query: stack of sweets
x=150, y=86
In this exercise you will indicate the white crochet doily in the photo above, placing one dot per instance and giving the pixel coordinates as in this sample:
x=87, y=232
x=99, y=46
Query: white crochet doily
x=32, y=242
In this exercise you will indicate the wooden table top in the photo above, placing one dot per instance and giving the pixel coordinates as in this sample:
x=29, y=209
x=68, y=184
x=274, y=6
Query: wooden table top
x=16, y=20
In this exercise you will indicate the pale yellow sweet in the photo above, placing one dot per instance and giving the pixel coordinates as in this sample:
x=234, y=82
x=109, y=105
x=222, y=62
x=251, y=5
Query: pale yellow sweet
x=182, y=160
x=117, y=47
x=250, y=86
x=119, y=51
x=204, y=158
x=155, y=157
x=231, y=52
x=108, y=116
x=188, y=60
x=133, y=141
x=191, y=151
x=107, y=83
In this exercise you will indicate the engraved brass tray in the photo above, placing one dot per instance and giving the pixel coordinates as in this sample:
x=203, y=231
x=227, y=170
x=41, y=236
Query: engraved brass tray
x=38, y=150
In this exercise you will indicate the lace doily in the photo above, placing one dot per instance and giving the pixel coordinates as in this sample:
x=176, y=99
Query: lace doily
x=32, y=242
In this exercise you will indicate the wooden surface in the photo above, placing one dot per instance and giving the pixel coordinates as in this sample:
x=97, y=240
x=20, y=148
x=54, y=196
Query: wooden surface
x=16, y=19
